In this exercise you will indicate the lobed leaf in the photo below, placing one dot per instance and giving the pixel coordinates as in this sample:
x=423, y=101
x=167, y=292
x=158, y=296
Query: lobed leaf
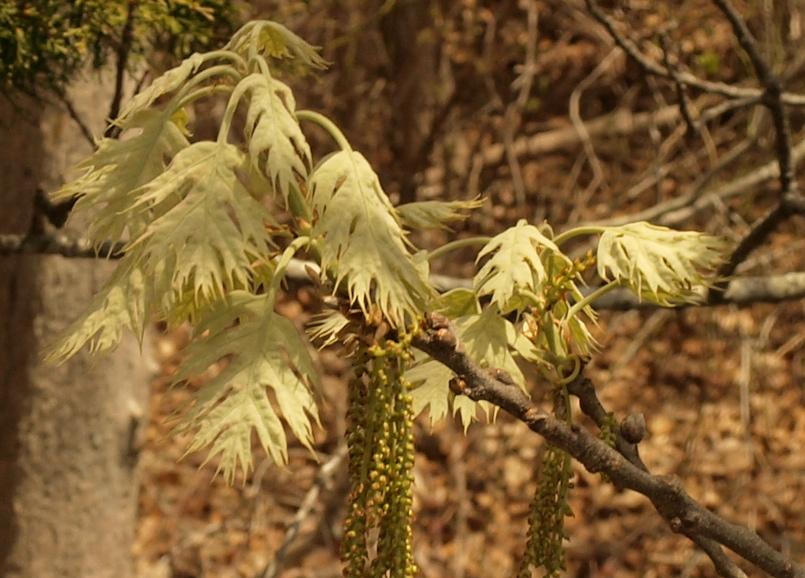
x=113, y=174
x=277, y=42
x=435, y=214
x=121, y=304
x=364, y=244
x=265, y=352
x=659, y=264
x=213, y=235
x=277, y=145
x=487, y=338
x=168, y=82
x=515, y=265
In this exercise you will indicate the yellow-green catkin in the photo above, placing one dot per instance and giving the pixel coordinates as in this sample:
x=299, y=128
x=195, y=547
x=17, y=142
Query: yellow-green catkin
x=546, y=523
x=381, y=452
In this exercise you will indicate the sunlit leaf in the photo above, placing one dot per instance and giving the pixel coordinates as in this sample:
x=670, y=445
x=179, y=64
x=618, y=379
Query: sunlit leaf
x=276, y=143
x=487, y=338
x=326, y=328
x=168, y=82
x=121, y=304
x=109, y=187
x=363, y=242
x=435, y=214
x=659, y=264
x=210, y=239
x=276, y=42
x=514, y=265
x=455, y=303
x=264, y=352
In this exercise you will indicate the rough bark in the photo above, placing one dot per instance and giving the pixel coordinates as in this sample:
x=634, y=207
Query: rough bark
x=69, y=433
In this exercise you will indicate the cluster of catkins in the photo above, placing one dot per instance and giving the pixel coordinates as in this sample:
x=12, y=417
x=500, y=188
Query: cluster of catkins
x=377, y=532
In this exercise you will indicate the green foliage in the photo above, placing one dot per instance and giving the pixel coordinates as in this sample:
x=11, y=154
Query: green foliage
x=364, y=243
x=203, y=246
x=516, y=269
x=660, y=265
x=44, y=43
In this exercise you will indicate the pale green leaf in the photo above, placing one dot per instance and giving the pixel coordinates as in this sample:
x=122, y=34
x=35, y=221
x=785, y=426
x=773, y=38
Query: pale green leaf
x=659, y=264
x=455, y=303
x=514, y=265
x=489, y=339
x=435, y=214
x=430, y=389
x=168, y=82
x=277, y=145
x=121, y=304
x=214, y=233
x=326, y=328
x=364, y=244
x=277, y=42
x=265, y=352
x=115, y=171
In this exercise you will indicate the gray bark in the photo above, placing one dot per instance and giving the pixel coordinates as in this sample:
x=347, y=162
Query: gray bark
x=68, y=434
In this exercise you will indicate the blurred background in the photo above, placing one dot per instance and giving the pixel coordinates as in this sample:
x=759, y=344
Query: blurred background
x=530, y=105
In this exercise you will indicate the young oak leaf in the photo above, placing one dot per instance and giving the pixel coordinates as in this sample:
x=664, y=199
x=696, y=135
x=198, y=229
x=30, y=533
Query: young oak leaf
x=121, y=304
x=277, y=42
x=265, y=351
x=488, y=339
x=659, y=264
x=277, y=145
x=364, y=244
x=118, y=168
x=208, y=241
x=514, y=265
x=435, y=214
x=168, y=82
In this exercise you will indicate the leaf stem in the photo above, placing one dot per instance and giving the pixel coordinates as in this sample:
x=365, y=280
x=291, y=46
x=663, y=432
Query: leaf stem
x=457, y=244
x=326, y=124
x=603, y=290
x=577, y=232
x=282, y=264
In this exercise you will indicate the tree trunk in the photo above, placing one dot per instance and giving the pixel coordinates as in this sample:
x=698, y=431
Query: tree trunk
x=69, y=433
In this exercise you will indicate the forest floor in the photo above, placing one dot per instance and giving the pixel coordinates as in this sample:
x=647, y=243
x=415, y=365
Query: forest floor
x=722, y=390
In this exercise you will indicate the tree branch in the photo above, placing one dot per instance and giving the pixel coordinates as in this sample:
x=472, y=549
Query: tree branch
x=655, y=69
x=123, y=50
x=741, y=291
x=790, y=201
x=683, y=514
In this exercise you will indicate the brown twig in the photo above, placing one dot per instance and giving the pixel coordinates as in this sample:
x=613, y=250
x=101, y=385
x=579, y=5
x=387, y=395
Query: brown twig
x=653, y=68
x=683, y=513
x=790, y=202
x=324, y=478
x=123, y=50
x=741, y=291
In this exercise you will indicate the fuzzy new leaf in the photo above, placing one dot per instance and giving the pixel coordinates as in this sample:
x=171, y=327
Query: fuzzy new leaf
x=209, y=240
x=659, y=264
x=277, y=42
x=515, y=264
x=109, y=187
x=435, y=214
x=265, y=351
x=488, y=339
x=168, y=82
x=121, y=304
x=277, y=145
x=364, y=243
